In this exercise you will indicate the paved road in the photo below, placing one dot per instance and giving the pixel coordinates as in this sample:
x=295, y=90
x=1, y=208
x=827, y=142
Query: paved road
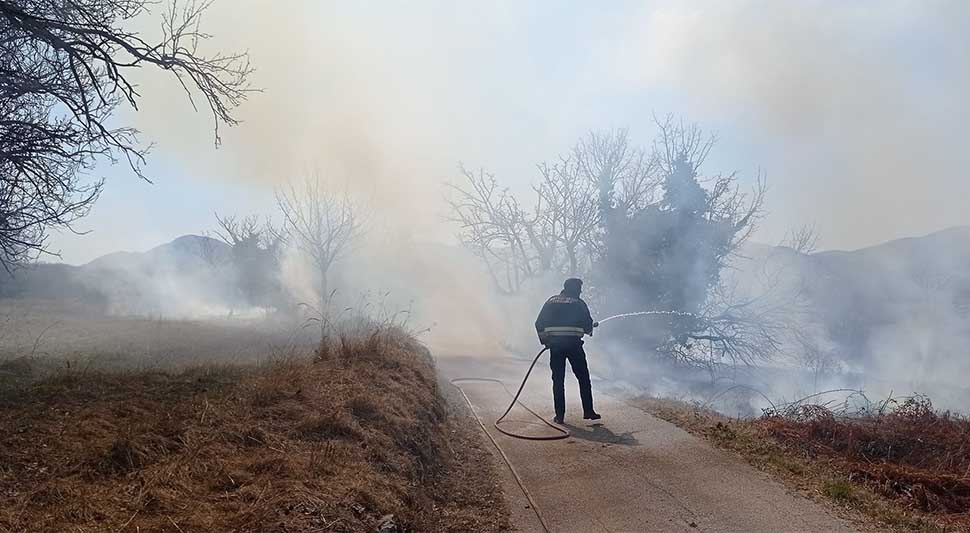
x=632, y=472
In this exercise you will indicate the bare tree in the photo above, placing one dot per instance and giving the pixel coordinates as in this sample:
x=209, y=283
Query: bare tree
x=493, y=226
x=249, y=231
x=255, y=250
x=603, y=195
x=822, y=362
x=600, y=206
x=803, y=240
x=626, y=176
x=738, y=327
x=64, y=70
x=566, y=209
x=680, y=141
x=211, y=251
x=559, y=233
x=322, y=224
x=668, y=253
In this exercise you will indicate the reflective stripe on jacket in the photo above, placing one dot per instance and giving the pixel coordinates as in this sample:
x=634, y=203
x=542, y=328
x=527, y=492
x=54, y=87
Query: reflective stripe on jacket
x=563, y=331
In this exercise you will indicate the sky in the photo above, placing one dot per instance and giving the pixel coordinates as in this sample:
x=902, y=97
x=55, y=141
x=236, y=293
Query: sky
x=856, y=111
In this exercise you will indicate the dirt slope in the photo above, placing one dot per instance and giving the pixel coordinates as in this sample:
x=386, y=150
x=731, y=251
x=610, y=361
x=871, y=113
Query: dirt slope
x=356, y=439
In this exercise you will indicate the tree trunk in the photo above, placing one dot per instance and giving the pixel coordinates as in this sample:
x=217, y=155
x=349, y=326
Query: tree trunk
x=324, y=293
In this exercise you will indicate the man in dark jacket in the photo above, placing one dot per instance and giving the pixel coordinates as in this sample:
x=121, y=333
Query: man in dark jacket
x=562, y=322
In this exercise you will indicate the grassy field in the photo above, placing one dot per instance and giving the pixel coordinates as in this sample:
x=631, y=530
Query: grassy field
x=60, y=334
x=352, y=435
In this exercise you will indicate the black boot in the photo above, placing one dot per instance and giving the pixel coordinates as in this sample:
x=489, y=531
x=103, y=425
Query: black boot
x=559, y=419
x=591, y=416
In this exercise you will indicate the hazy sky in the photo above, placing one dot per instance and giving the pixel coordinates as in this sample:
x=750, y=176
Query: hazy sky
x=856, y=111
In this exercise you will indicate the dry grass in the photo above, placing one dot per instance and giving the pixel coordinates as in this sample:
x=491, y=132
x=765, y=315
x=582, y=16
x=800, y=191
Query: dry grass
x=872, y=470
x=62, y=336
x=333, y=443
x=910, y=453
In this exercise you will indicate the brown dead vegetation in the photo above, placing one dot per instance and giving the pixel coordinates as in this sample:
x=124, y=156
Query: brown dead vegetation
x=902, y=466
x=352, y=439
x=909, y=452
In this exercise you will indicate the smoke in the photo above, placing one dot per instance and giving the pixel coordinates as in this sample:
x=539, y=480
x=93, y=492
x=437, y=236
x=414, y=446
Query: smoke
x=889, y=320
x=385, y=99
x=854, y=109
x=857, y=110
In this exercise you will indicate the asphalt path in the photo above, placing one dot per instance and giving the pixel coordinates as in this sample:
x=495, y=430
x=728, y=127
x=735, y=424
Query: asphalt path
x=630, y=471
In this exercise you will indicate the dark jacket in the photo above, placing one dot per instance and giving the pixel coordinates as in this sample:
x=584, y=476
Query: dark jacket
x=564, y=310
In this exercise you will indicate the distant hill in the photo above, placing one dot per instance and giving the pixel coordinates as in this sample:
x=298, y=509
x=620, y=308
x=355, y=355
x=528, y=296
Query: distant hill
x=906, y=280
x=187, y=264
x=902, y=306
x=187, y=251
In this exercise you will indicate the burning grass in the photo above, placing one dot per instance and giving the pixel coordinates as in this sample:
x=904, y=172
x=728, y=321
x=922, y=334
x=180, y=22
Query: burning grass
x=902, y=464
x=356, y=438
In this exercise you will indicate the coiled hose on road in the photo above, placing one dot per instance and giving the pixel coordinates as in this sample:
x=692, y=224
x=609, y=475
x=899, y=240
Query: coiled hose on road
x=562, y=433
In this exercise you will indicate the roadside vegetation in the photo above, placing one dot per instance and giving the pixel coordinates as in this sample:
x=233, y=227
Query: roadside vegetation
x=353, y=437
x=901, y=464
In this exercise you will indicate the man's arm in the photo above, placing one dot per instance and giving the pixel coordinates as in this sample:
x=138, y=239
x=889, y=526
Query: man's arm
x=587, y=319
x=542, y=319
x=541, y=322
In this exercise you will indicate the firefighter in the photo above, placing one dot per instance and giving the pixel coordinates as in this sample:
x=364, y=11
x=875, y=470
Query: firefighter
x=561, y=324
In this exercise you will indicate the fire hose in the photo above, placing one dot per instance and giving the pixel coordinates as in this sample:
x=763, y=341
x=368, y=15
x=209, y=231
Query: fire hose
x=562, y=433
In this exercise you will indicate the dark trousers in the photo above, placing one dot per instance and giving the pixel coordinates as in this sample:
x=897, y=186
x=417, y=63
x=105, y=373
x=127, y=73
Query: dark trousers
x=577, y=360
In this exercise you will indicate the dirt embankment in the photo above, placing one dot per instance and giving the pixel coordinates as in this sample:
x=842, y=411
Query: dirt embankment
x=356, y=439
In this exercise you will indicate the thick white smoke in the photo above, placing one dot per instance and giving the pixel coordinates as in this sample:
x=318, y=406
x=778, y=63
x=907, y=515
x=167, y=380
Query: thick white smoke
x=856, y=111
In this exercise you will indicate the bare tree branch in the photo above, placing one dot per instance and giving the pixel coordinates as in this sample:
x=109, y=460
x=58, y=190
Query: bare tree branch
x=256, y=249
x=64, y=70
x=321, y=223
x=626, y=176
x=493, y=226
x=803, y=240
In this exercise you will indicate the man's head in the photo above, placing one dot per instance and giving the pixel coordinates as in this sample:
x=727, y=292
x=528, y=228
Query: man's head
x=573, y=286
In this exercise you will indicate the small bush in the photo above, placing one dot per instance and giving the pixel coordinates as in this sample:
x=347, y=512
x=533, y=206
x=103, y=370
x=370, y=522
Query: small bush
x=840, y=491
x=722, y=432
